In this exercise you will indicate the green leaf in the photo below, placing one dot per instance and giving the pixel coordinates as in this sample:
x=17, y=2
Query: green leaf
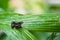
x=28, y=35
x=41, y=35
x=44, y=22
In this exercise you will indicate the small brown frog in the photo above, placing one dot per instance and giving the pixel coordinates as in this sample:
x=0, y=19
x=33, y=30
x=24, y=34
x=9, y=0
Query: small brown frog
x=16, y=24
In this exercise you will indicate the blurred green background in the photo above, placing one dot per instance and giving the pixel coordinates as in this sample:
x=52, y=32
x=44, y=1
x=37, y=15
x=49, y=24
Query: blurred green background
x=30, y=6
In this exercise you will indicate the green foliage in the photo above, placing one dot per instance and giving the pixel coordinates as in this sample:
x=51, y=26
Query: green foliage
x=35, y=27
x=4, y=4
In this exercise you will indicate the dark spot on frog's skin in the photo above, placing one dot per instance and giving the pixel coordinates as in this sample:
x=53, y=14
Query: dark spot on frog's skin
x=16, y=25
